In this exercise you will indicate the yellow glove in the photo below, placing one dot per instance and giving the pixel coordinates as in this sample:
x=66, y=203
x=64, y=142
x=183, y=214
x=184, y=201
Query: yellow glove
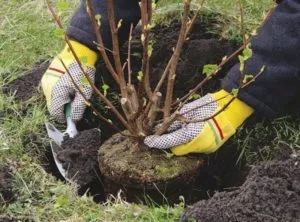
x=59, y=88
x=203, y=137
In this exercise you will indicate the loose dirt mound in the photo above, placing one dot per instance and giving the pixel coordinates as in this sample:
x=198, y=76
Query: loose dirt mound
x=24, y=87
x=270, y=193
x=79, y=156
x=6, y=193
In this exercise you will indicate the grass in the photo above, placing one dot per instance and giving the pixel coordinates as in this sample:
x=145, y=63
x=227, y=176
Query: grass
x=26, y=37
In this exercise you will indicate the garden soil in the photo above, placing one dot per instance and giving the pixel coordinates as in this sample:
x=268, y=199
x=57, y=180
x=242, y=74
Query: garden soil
x=79, y=156
x=24, y=87
x=271, y=192
x=6, y=190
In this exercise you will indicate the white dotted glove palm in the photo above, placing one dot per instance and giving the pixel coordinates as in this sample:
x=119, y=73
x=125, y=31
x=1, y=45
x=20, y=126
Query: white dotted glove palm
x=59, y=88
x=204, y=136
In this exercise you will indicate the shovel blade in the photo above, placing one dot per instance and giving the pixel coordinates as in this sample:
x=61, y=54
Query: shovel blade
x=54, y=134
x=58, y=164
x=57, y=139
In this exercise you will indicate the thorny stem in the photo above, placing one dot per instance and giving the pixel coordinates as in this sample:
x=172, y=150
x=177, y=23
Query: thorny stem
x=129, y=55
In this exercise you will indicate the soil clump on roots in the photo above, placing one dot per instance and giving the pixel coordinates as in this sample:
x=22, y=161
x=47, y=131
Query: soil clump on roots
x=147, y=172
x=271, y=192
x=136, y=173
x=6, y=190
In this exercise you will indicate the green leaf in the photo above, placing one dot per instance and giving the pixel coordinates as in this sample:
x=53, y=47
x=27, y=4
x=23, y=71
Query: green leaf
x=83, y=59
x=153, y=6
x=84, y=81
x=140, y=75
x=242, y=63
x=247, y=77
x=105, y=88
x=210, y=69
x=61, y=5
x=120, y=23
x=98, y=19
x=169, y=155
x=262, y=68
x=247, y=53
x=196, y=96
x=235, y=92
x=150, y=50
x=58, y=32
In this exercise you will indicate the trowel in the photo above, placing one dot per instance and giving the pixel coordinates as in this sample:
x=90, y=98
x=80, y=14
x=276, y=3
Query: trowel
x=57, y=138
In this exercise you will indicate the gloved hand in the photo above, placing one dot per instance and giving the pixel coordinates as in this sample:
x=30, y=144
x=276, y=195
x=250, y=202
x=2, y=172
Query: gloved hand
x=203, y=137
x=58, y=86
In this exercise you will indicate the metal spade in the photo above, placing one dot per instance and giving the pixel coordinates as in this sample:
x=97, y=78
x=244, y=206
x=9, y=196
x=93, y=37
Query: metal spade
x=57, y=138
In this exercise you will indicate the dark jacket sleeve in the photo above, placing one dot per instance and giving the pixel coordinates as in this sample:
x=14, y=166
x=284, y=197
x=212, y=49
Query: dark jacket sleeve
x=277, y=47
x=80, y=28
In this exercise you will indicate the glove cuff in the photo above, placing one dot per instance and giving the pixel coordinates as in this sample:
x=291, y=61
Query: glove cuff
x=237, y=111
x=81, y=50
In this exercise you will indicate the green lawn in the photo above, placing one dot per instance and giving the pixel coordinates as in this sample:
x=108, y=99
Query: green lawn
x=26, y=36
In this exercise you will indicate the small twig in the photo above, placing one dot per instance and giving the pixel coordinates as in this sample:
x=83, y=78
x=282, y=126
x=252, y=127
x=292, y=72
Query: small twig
x=242, y=23
x=194, y=18
x=185, y=98
x=101, y=47
x=164, y=75
x=99, y=41
x=129, y=55
x=253, y=79
x=185, y=120
x=180, y=116
x=175, y=58
x=146, y=13
x=115, y=45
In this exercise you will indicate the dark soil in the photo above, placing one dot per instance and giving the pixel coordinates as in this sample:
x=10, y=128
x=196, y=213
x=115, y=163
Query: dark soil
x=202, y=48
x=6, y=190
x=270, y=193
x=79, y=156
x=24, y=87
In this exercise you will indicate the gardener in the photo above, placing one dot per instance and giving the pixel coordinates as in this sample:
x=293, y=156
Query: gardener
x=277, y=47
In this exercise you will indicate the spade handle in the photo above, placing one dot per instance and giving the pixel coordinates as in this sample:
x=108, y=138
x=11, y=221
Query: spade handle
x=71, y=126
